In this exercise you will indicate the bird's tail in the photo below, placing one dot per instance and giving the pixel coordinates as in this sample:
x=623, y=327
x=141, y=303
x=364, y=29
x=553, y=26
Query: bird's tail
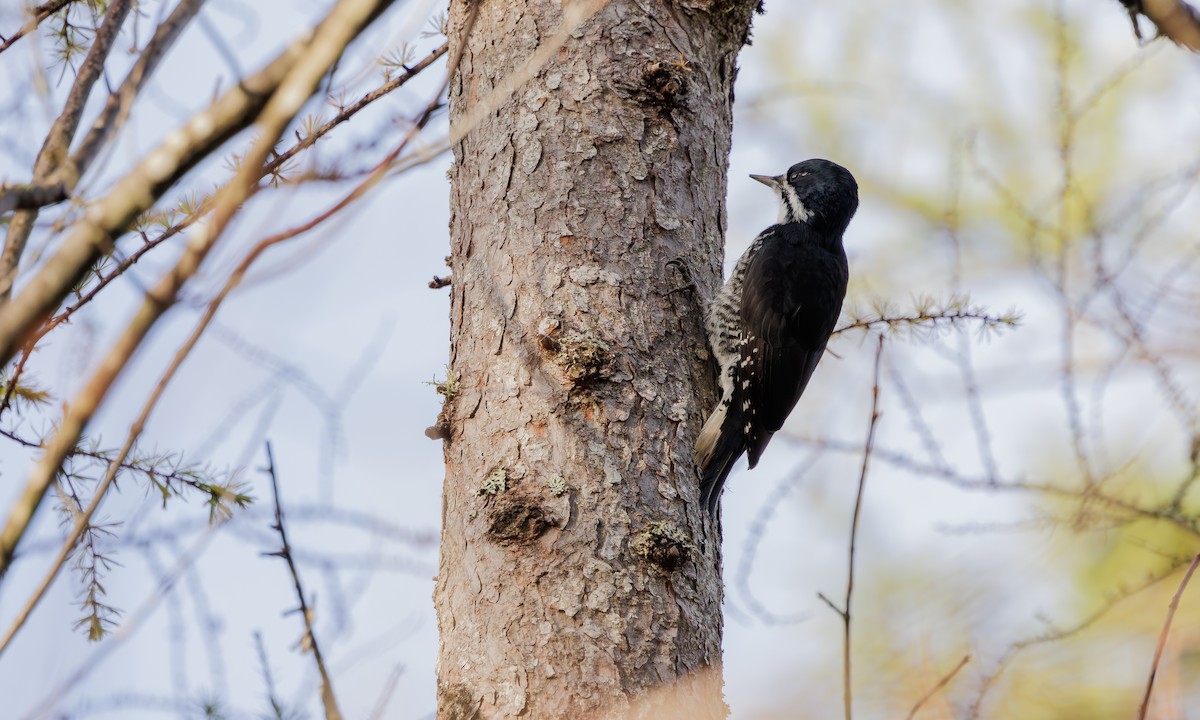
x=719, y=446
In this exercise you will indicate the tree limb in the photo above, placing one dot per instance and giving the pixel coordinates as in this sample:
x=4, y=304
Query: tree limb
x=116, y=108
x=310, y=638
x=844, y=611
x=280, y=91
x=38, y=14
x=58, y=140
x=30, y=197
x=938, y=688
x=1162, y=636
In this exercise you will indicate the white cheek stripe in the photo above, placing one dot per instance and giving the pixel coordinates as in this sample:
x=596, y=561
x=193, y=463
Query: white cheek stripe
x=801, y=213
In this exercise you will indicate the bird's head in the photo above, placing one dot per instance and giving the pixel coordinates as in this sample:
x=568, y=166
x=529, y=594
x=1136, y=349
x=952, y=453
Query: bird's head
x=817, y=192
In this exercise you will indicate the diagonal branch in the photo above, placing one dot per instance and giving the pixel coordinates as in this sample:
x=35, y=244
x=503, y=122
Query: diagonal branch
x=83, y=519
x=938, y=688
x=63, y=179
x=1162, y=636
x=310, y=638
x=299, y=70
x=58, y=140
x=116, y=107
x=37, y=15
x=844, y=610
x=272, y=166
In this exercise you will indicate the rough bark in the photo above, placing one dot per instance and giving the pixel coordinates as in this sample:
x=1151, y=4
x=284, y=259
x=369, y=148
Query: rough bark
x=579, y=575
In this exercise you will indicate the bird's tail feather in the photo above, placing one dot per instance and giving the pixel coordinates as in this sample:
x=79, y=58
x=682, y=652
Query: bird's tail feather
x=726, y=448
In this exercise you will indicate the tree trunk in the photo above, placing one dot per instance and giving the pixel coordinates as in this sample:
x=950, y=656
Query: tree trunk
x=578, y=570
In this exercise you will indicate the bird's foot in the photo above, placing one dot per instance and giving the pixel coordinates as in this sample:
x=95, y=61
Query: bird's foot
x=684, y=271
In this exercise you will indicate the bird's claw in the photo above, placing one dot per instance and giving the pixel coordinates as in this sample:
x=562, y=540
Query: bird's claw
x=680, y=266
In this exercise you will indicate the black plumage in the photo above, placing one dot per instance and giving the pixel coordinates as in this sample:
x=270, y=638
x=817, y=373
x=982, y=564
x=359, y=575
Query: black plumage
x=769, y=324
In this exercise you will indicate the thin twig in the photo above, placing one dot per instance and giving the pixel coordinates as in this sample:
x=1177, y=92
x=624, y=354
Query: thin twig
x=844, y=611
x=57, y=145
x=135, y=622
x=242, y=105
x=938, y=688
x=268, y=680
x=37, y=15
x=1056, y=635
x=308, y=62
x=120, y=101
x=309, y=140
x=310, y=638
x=1162, y=636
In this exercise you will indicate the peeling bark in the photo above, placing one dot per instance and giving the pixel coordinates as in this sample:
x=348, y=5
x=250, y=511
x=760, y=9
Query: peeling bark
x=578, y=571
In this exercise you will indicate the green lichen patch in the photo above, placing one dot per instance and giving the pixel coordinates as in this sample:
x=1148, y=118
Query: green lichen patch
x=664, y=544
x=583, y=357
x=558, y=485
x=447, y=388
x=494, y=484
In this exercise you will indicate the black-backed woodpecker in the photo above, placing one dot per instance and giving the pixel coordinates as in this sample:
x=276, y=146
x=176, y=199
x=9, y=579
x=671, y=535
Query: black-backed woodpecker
x=769, y=324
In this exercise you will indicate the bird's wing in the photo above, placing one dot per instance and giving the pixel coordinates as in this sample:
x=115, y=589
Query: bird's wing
x=787, y=313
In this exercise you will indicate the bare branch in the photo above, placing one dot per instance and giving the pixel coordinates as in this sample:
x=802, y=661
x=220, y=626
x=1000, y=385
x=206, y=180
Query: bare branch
x=351, y=110
x=1162, y=636
x=30, y=197
x=58, y=140
x=83, y=518
x=117, y=107
x=37, y=15
x=940, y=685
x=844, y=611
x=300, y=69
x=310, y=638
x=137, y=192
x=929, y=316
x=272, y=166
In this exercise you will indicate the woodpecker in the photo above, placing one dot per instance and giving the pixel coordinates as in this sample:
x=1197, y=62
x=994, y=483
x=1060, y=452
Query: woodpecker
x=769, y=324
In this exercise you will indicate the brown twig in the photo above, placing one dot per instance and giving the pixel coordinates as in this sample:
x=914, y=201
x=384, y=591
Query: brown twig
x=38, y=14
x=181, y=354
x=117, y=106
x=309, y=140
x=844, y=611
x=930, y=318
x=271, y=167
x=938, y=688
x=57, y=145
x=1125, y=593
x=103, y=220
x=1162, y=636
x=310, y=638
x=307, y=62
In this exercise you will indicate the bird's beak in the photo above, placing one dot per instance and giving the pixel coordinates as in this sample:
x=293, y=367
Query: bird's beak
x=771, y=182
